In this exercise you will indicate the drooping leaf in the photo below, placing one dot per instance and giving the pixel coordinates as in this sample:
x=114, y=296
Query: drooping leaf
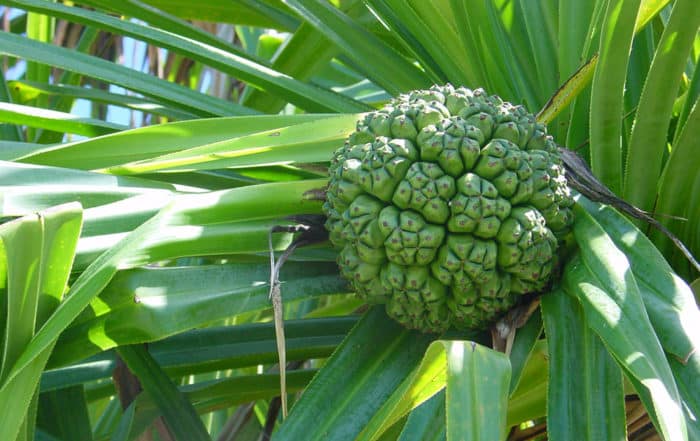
x=601, y=278
x=668, y=300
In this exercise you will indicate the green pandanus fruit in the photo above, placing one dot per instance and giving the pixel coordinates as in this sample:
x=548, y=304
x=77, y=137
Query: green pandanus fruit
x=447, y=205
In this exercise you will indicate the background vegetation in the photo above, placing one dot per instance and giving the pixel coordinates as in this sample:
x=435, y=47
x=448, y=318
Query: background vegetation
x=148, y=147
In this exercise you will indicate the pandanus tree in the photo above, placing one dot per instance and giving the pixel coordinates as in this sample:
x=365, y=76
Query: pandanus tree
x=353, y=219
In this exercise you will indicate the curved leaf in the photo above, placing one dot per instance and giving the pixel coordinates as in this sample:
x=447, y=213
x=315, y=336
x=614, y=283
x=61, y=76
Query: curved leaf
x=600, y=277
x=568, y=92
x=667, y=298
x=206, y=208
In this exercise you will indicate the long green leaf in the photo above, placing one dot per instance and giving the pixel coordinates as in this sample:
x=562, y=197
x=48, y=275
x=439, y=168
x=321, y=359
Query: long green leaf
x=28, y=246
x=475, y=71
x=582, y=24
x=427, y=421
x=363, y=372
x=477, y=384
x=22, y=258
x=217, y=223
x=27, y=188
x=477, y=34
x=313, y=141
x=24, y=91
x=181, y=417
x=680, y=174
x=542, y=39
x=520, y=77
x=427, y=29
x=207, y=350
x=236, y=12
x=169, y=93
x=575, y=21
x=667, y=298
x=11, y=150
x=303, y=95
x=649, y=134
x=668, y=301
x=16, y=398
x=153, y=141
x=65, y=421
x=210, y=208
x=387, y=69
x=600, y=277
x=301, y=56
x=57, y=121
x=40, y=28
x=607, y=93
x=164, y=16
x=220, y=394
x=585, y=384
x=130, y=309
x=61, y=226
